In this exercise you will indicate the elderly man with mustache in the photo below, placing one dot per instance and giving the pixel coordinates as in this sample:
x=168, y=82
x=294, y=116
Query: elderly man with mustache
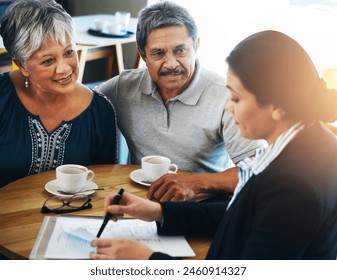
x=176, y=108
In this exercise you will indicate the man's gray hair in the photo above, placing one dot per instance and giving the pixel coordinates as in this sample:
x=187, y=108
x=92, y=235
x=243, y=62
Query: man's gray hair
x=160, y=15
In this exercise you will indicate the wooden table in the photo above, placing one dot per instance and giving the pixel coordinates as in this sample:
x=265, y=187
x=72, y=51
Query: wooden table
x=21, y=202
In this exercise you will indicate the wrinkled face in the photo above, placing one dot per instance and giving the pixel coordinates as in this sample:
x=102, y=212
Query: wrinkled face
x=254, y=120
x=53, y=68
x=170, y=58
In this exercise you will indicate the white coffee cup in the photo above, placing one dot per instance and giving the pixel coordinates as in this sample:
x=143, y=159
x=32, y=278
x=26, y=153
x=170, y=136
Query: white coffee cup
x=154, y=167
x=123, y=18
x=99, y=24
x=114, y=28
x=72, y=177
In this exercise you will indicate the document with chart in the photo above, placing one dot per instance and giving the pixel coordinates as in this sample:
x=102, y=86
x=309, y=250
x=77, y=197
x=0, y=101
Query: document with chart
x=69, y=237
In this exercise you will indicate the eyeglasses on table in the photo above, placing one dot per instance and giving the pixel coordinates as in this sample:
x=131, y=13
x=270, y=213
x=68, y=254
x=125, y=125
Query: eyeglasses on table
x=60, y=205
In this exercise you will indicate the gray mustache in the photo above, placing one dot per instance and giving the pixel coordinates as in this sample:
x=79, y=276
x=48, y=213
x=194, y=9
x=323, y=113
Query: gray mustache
x=172, y=72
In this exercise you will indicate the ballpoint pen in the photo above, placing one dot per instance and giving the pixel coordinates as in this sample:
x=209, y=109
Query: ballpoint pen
x=108, y=216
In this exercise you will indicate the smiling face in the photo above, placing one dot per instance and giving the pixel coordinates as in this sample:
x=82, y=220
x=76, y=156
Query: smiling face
x=53, y=68
x=254, y=120
x=170, y=58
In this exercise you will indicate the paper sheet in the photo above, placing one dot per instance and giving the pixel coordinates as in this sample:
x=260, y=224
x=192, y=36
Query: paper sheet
x=71, y=237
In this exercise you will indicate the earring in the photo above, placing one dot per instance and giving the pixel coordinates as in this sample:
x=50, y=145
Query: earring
x=26, y=82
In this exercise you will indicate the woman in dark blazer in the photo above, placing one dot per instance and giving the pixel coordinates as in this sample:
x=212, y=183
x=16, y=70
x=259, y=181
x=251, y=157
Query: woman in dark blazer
x=285, y=204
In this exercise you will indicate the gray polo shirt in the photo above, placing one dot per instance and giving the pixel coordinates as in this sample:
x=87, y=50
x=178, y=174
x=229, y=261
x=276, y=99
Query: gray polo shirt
x=193, y=129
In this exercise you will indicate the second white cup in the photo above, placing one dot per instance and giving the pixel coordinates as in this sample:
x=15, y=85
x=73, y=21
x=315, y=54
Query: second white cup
x=123, y=18
x=114, y=28
x=154, y=167
x=72, y=177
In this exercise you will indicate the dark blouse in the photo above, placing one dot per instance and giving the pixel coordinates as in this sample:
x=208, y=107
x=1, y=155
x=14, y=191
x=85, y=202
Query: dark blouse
x=26, y=147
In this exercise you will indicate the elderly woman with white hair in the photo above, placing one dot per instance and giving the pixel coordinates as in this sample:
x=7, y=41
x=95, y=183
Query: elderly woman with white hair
x=47, y=118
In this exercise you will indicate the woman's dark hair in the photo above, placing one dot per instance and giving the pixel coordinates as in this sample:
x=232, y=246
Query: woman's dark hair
x=277, y=70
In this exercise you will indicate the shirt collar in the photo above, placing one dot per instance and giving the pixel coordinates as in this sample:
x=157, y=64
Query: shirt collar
x=265, y=155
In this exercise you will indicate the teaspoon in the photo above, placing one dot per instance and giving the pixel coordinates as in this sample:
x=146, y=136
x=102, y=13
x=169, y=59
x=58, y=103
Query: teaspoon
x=70, y=193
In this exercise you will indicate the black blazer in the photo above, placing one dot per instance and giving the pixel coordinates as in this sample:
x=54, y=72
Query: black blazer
x=288, y=211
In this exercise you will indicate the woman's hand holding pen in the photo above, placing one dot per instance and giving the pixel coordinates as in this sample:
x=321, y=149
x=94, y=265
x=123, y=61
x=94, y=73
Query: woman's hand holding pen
x=133, y=206
x=121, y=248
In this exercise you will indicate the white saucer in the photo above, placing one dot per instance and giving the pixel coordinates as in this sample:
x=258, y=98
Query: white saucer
x=106, y=33
x=138, y=177
x=53, y=188
x=118, y=33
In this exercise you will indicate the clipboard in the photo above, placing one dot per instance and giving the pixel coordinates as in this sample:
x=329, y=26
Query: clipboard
x=69, y=237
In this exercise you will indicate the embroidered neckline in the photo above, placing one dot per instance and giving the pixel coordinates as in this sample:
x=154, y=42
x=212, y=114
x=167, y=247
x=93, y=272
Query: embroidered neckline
x=47, y=148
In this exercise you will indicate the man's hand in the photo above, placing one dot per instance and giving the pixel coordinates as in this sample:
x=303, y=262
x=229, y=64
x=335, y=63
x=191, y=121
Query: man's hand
x=183, y=187
x=174, y=187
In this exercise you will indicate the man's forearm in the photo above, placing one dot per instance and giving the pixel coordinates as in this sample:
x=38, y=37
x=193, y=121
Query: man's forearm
x=225, y=181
